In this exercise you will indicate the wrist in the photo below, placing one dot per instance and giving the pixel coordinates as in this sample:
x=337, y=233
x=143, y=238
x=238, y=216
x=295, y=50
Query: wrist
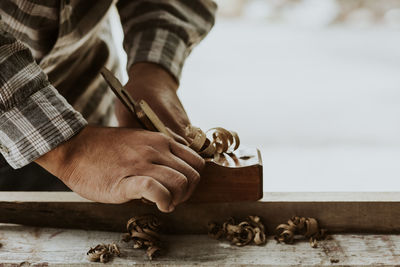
x=58, y=160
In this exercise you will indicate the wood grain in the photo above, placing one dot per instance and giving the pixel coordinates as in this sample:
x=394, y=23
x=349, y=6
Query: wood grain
x=54, y=247
x=231, y=178
x=338, y=212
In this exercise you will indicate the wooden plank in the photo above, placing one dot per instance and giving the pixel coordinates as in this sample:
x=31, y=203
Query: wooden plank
x=17, y=196
x=338, y=212
x=55, y=247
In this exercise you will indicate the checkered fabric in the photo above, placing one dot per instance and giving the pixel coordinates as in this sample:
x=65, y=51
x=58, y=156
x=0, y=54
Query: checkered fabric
x=51, y=52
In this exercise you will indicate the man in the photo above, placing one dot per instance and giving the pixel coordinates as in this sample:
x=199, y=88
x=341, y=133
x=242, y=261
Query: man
x=51, y=52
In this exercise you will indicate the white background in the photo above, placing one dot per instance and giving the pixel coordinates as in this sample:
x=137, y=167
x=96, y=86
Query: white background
x=321, y=102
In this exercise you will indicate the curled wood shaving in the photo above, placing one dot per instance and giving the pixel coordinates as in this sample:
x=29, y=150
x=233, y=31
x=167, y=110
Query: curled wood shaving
x=247, y=231
x=307, y=227
x=144, y=232
x=103, y=252
x=220, y=141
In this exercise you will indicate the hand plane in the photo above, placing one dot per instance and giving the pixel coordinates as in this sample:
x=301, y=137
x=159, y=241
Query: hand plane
x=229, y=177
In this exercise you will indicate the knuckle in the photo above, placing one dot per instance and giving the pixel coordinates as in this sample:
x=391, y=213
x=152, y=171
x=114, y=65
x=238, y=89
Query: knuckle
x=196, y=177
x=181, y=182
x=147, y=152
x=130, y=159
x=160, y=137
x=200, y=164
x=140, y=167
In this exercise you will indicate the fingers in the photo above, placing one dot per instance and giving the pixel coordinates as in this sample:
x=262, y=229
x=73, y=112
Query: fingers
x=188, y=155
x=135, y=187
x=175, y=174
x=177, y=137
x=192, y=175
x=176, y=183
x=164, y=144
x=164, y=172
x=182, y=159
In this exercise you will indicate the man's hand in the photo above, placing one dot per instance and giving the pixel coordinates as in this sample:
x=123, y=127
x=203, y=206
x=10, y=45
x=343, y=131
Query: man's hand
x=115, y=165
x=157, y=87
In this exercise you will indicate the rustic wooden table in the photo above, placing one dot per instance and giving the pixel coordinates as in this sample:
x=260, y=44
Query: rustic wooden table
x=23, y=245
x=374, y=217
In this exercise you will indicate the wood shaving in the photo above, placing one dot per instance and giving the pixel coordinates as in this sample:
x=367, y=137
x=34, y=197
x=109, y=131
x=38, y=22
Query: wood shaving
x=144, y=232
x=307, y=227
x=241, y=234
x=220, y=141
x=103, y=253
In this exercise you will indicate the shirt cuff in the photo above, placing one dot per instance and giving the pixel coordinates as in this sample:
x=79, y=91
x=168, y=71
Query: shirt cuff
x=41, y=123
x=159, y=46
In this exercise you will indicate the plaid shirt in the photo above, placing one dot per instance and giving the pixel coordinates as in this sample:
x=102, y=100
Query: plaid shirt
x=51, y=52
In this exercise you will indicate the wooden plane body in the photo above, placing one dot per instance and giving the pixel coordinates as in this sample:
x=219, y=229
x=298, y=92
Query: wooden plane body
x=231, y=178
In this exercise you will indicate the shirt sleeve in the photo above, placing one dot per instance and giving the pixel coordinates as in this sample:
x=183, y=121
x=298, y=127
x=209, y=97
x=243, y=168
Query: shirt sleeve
x=164, y=32
x=34, y=117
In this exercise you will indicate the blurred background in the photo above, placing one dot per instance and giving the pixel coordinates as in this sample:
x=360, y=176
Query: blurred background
x=314, y=84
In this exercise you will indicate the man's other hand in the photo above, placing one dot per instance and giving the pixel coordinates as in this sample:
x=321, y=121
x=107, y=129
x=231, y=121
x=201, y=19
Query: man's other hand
x=115, y=165
x=157, y=87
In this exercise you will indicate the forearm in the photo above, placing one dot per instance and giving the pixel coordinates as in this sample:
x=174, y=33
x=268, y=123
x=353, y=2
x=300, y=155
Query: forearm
x=34, y=117
x=145, y=73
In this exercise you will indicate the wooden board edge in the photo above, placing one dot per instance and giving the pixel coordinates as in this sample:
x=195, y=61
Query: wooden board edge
x=337, y=212
x=39, y=196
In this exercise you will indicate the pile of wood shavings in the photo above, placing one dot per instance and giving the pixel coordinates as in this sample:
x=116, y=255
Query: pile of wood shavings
x=241, y=234
x=220, y=141
x=103, y=253
x=307, y=227
x=144, y=232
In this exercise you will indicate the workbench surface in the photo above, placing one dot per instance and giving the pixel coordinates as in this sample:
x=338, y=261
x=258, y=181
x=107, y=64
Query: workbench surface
x=53, y=246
